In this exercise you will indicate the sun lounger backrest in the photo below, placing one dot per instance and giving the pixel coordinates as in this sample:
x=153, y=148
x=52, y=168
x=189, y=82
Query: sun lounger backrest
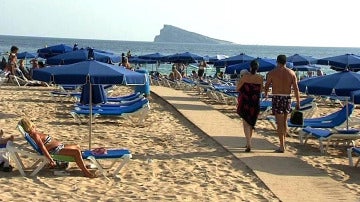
x=29, y=139
x=342, y=115
x=32, y=143
x=136, y=106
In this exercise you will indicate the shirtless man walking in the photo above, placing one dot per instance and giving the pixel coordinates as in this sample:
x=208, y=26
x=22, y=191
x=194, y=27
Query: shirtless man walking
x=282, y=80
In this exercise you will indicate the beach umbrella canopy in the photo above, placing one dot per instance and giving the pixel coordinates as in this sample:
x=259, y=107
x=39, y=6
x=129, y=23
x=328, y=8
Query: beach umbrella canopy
x=305, y=68
x=186, y=57
x=89, y=72
x=233, y=60
x=342, y=62
x=297, y=59
x=340, y=83
x=82, y=55
x=26, y=55
x=265, y=65
x=54, y=50
x=138, y=60
x=152, y=56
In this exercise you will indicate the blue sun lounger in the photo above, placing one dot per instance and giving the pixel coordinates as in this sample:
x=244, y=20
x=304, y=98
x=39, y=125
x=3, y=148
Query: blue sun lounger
x=138, y=109
x=79, y=106
x=125, y=98
x=330, y=121
x=347, y=136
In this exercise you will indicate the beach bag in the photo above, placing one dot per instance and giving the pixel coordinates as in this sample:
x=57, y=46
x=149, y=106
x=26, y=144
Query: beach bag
x=61, y=164
x=297, y=117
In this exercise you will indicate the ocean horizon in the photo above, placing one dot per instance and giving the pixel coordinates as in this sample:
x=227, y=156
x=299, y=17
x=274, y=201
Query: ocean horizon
x=32, y=44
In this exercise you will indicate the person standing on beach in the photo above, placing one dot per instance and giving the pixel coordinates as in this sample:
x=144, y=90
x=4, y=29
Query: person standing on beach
x=201, y=70
x=12, y=60
x=282, y=80
x=249, y=88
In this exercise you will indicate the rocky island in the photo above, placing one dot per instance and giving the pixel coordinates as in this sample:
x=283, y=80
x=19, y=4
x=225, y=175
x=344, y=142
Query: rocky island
x=172, y=34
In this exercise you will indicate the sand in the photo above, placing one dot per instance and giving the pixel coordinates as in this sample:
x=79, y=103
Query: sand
x=172, y=159
x=334, y=162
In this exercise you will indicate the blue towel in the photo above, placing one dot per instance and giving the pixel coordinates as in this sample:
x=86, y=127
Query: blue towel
x=111, y=153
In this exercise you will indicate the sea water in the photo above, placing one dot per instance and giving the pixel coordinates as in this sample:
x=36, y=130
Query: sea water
x=32, y=44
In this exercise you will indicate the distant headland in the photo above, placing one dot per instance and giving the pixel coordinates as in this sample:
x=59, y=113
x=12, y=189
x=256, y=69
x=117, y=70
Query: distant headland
x=172, y=34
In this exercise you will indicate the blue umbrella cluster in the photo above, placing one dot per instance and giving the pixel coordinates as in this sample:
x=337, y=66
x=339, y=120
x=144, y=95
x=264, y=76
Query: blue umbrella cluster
x=340, y=84
x=305, y=68
x=89, y=71
x=82, y=55
x=183, y=58
x=26, y=55
x=53, y=50
x=153, y=56
x=298, y=60
x=265, y=64
x=342, y=62
x=233, y=60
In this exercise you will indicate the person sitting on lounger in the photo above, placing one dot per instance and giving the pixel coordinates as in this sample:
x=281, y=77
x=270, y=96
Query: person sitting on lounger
x=49, y=145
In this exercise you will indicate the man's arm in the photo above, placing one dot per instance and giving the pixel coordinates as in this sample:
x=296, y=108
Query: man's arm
x=296, y=91
x=267, y=84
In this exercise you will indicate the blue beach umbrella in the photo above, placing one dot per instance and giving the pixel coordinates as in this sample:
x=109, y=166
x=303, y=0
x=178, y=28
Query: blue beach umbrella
x=138, y=60
x=152, y=56
x=82, y=55
x=26, y=55
x=54, y=50
x=305, y=68
x=297, y=59
x=186, y=57
x=233, y=60
x=342, y=62
x=89, y=72
x=265, y=65
x=340, y=83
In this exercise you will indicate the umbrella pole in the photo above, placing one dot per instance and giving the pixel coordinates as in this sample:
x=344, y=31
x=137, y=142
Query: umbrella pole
x=347, y=112
x=90, y=122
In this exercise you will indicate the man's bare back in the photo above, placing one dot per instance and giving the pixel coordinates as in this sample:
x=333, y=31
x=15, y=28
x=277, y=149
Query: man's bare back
x=282, y=79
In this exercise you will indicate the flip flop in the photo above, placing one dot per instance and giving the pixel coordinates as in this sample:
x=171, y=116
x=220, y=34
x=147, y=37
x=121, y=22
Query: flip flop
x=279, y=151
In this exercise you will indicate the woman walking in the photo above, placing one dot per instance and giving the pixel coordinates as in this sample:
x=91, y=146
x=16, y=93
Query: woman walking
x=249, y=88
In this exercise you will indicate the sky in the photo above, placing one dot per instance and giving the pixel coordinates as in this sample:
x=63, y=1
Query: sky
x=331, y=23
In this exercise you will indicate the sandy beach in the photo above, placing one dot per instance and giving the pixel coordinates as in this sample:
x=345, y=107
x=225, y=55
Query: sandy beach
x=172, y=159
x=334, y=163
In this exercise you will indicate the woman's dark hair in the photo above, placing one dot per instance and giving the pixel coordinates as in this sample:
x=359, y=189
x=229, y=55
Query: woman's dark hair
x=254, y=66
x=14, y=49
